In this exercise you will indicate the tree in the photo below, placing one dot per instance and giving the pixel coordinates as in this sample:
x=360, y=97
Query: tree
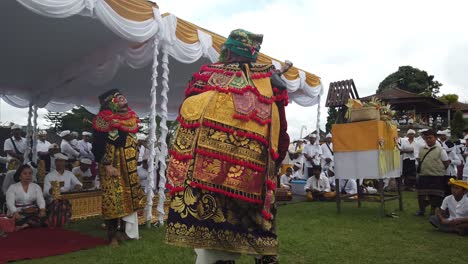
x=458, y=124
x=55, y=118
x=412, y=80
x=78, y=119
x=449, y=99
x=331, y=118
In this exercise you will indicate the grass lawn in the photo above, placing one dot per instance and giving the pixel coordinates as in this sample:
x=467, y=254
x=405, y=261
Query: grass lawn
x=308, y=233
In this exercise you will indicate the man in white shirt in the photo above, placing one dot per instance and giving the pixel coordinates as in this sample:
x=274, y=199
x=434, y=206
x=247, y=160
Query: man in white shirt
x=15, y=147
x=312, y=154
x=83, y=173
x=143, y=174
x=455, y=161
x=457, y=207
x=74, y=139
x=431, y=182
x=85, y=146
x=318, y=187
x=285, y=179
x=66, y=146
x=327, y=153
x=68, y=181
x=42, y=144
x=409, y=151
x=141, y=146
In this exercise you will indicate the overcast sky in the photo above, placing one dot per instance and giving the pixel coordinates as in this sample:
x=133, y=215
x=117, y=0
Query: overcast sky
x=337, y=40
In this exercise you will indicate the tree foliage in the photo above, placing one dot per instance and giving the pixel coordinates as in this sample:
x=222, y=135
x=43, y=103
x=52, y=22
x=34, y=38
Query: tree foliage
x=458, y=124
x=331, y=118
x=449, y=98
x=412, y=80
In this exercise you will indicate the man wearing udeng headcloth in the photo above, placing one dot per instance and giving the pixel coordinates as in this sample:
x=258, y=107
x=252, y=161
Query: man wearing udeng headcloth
x=115, y=148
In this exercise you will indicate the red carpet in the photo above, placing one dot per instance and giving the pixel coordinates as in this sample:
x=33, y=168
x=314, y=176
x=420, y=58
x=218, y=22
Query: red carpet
x=43, y=242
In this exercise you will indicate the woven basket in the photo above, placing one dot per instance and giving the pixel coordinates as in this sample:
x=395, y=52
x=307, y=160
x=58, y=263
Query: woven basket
x=364, y=114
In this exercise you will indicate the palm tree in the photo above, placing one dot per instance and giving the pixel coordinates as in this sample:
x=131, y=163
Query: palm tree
x=449, y=99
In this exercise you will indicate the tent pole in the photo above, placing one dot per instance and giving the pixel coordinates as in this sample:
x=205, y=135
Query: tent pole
x=164, y=132
x=34, y=137
x=28, y=135
x=317, y=141
x=152, y=133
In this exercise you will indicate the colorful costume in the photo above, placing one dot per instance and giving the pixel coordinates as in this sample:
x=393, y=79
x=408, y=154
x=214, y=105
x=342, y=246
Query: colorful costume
x=223, y=166
x=115, y=144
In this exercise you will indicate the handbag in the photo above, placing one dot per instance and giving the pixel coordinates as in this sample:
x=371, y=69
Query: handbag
x=7, y=224
x=421, y=162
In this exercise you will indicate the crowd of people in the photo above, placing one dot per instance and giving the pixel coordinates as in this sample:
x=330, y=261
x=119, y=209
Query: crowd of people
x=314, y=164
x=29, y=190
x=431, y=164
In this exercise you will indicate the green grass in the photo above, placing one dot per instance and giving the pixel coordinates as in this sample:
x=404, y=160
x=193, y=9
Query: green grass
x=308, y=233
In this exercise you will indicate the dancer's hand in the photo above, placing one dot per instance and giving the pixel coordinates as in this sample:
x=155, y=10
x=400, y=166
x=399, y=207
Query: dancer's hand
x=111, y=171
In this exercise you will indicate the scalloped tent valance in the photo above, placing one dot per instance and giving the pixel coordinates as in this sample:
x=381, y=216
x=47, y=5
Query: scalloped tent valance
x=66, y=52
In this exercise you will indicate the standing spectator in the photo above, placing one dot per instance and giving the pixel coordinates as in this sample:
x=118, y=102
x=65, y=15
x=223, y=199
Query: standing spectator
x=67, y=148
x=457, y=206
x=141, y=146
x=327, y=153
x=465, y=157
x=453, y=166
x=15, y=147
x=409, y=152
x=460, y=150
x=42, y=144
x=312, y=154
x=85, y=146
x=433, y=163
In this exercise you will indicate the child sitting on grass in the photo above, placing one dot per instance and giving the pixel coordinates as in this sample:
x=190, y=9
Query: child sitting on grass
x=457, y=206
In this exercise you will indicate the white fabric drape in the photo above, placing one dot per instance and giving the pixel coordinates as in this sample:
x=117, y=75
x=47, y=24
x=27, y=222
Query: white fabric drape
x=103, y=65
x=163, y=123
x=28, y=135
x=34, y=135
x=152, y=134
x=345, y=165
x=137, y=31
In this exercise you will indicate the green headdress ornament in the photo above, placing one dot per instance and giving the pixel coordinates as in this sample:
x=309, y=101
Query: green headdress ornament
x=242, y=43
x=108, y=100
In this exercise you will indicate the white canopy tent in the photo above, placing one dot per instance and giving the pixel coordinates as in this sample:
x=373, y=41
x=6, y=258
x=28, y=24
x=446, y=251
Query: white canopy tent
x=97, y=45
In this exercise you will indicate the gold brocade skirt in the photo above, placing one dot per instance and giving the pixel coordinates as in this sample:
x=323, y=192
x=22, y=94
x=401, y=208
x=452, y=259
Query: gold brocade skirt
x=123, y=194
x=203, y=219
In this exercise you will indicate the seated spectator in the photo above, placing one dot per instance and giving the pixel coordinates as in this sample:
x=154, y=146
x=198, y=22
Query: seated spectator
x=457, y=206
x=297, y=171
x=9, y=178
x=330, y=173
x=68, y=181
x=348, y=186
x=83, y=173
x=25, y=201
x=318, y=187
x=286, y=179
